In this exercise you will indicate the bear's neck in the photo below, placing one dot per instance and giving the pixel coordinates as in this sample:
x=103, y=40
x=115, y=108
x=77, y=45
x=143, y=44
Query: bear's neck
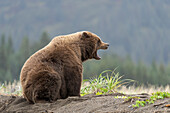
x=86, y=53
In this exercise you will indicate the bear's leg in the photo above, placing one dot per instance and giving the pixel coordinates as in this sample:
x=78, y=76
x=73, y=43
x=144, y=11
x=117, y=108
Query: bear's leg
x=27, y=93
x=74, y=87
x=63, y=89
x=47, y=88
x=73, y=79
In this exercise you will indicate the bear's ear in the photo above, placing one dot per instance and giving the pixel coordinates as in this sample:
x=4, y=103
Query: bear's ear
x=85, y=35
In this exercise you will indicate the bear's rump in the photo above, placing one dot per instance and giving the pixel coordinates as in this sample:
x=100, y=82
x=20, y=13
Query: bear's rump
x=45, y=87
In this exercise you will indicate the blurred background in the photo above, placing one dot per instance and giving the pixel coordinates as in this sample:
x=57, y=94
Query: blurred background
x=138, y=32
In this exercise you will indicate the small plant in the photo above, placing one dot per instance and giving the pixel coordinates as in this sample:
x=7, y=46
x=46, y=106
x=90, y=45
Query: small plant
x=107, y=82
x=121, y=97
x=2, y=86
x=154, y=97
x=130, y=98
x=139, y=103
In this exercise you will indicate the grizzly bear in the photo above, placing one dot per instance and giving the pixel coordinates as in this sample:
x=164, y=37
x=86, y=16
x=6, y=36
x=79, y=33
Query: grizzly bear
x=55, y=71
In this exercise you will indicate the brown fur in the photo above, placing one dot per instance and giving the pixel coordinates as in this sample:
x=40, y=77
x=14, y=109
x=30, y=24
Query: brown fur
x=55, y=71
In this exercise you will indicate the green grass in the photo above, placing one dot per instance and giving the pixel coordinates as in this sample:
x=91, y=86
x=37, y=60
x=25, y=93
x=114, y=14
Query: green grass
x=107, y=82
x=152, y=99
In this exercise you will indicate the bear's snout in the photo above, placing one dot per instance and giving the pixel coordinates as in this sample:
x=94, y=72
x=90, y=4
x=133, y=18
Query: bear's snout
x=107, y=44
x=104, y=45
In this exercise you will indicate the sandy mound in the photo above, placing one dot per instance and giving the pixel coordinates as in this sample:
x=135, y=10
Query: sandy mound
x=85, y=104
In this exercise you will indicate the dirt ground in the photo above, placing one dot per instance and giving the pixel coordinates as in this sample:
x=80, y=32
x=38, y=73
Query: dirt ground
x=85, y=104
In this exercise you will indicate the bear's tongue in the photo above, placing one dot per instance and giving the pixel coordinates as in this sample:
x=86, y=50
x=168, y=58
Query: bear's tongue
x=96, y=56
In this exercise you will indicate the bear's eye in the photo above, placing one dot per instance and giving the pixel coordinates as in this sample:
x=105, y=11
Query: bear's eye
x=98, y=42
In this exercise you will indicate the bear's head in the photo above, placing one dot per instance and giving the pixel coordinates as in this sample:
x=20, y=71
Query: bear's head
x=90, y=44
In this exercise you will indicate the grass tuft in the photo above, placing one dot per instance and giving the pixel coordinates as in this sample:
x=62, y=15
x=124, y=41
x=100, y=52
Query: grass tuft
x=107, y=82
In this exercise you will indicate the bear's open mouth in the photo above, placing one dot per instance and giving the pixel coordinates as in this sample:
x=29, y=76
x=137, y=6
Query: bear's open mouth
x=103, y=46
x=96, y=56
